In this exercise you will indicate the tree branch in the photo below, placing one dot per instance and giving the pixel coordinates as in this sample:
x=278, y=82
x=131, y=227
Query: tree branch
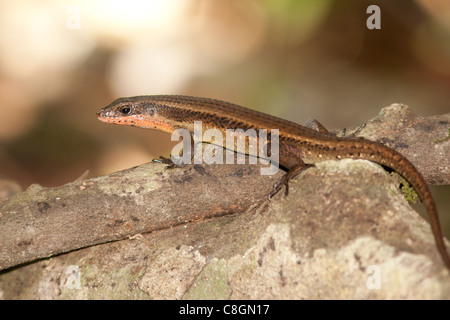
x=42, y=222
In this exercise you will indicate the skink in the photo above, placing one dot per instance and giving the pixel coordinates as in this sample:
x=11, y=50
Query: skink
x=299, y=146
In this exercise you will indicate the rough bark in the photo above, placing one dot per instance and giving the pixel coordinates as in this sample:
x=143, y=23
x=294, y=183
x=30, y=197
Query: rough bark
x=42, y=222
x=425, y=141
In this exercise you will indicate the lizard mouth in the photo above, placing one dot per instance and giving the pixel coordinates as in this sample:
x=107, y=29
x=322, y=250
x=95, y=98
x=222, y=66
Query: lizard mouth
x=115, y=120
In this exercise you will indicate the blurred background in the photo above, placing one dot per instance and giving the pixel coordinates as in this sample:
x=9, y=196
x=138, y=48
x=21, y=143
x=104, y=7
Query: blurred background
x=61, y=61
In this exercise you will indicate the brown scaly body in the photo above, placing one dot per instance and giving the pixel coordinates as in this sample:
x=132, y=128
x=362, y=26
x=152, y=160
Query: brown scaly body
x=300, y=146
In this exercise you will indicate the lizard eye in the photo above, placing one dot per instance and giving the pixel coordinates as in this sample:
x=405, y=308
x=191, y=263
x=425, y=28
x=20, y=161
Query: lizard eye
x=125, y=110
x=151, y=112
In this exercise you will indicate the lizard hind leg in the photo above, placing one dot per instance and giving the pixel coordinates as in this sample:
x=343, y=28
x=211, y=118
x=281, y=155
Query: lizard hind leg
x=284, y=181
x=316, y=125
x=353, y=134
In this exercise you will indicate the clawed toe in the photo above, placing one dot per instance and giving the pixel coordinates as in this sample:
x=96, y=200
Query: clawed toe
x=277, y=187
x=167, y=161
